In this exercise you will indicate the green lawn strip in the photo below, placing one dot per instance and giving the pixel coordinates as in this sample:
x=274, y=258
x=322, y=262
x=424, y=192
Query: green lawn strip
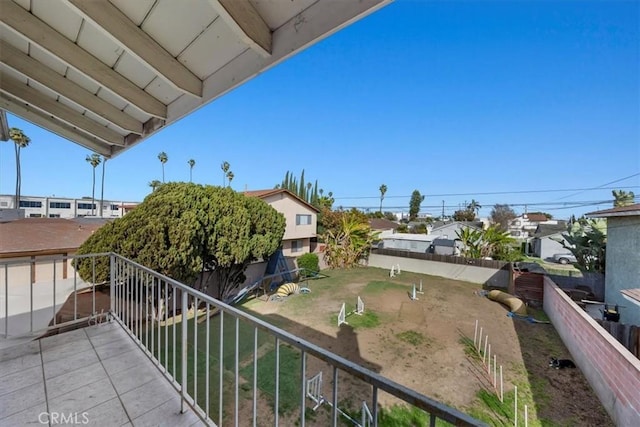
x=196, y=372
x=368, y=319
x=377, y=287
x=289, y=384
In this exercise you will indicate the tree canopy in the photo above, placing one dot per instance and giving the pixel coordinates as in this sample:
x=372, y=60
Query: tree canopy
x=587, y=240
x=182, y=230
x=414, y=204
x=623, y=198
x=501, y=215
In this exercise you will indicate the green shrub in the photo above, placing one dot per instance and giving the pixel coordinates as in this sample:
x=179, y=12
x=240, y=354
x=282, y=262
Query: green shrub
x=310, y=264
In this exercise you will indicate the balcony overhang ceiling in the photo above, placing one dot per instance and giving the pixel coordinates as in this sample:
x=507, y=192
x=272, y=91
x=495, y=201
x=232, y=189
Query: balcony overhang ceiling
x=107, y=74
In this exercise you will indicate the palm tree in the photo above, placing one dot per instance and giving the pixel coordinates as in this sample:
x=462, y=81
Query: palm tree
x=622, y=198
x=474, y=207
x=230, y=177
x=94, y=160
x=104, y=163
x=155, y=184
x=225, y=171
x=21, y=141
x=162, y=156
x=383, y=191
x=192, y=163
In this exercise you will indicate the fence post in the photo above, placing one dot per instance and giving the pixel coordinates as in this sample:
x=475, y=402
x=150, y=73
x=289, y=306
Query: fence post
x=183, y=352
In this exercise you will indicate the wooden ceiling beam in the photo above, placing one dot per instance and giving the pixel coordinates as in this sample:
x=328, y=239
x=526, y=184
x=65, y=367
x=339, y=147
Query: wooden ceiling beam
x=50, y=106
x=118, y=27
x=29, y=67
x=246, y=23
x=38, y=32
x=53, y=125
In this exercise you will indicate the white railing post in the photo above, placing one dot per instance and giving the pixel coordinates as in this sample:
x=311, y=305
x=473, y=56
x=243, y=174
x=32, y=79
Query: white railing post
x=112, y=283
x=183, y=352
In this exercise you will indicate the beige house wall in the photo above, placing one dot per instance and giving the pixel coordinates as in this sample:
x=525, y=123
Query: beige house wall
x=35, y=270
x=294, y=235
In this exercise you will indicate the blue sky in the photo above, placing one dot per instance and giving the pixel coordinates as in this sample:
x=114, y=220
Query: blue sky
x=444, y=97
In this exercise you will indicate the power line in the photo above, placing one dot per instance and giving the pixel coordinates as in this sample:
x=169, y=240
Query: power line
x=601, y=186
x=488, y=193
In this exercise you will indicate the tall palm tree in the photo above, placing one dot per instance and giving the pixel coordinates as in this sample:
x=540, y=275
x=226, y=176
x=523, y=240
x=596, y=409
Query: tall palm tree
x=104, y=163
x=154, y=184
x=20, y=141
x=383, y=191
x=192, y=163
x=474, y=206
x=162, y=156
x=225, y=170
x=230, y=177
x=94, y=160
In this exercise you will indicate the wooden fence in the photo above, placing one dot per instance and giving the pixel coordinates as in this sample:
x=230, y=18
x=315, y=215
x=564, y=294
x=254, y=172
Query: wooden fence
x=486, y=263
x=627, y=335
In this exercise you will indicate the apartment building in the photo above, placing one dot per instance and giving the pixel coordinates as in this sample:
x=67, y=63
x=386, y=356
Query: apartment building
x=64, y=207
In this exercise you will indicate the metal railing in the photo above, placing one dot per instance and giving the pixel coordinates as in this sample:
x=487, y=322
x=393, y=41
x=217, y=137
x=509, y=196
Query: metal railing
x=55, y=297
x=230, y=366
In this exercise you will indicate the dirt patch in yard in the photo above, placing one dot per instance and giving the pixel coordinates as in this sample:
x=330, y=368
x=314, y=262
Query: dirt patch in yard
x=435, y=362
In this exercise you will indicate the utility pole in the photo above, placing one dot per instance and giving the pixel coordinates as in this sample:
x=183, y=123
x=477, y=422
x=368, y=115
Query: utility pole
x=443, y=210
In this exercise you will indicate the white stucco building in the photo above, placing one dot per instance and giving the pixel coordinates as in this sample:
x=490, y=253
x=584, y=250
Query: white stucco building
x=65, y=207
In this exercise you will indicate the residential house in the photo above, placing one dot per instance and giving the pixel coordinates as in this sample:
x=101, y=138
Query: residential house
x=450, y=230
x=301, y=217
x=407, y=242
x=42, y=238
x=383, y=226
x=548, y=240
x=525, y=226
x=623, y=259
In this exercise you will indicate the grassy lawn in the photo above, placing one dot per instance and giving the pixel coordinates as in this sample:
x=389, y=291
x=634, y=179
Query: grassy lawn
x=407, y=340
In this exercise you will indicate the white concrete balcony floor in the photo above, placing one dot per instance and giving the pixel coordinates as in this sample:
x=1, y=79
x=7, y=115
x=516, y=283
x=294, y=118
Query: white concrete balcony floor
x=97, y=375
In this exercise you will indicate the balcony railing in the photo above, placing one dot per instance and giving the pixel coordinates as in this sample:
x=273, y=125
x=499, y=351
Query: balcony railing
x=227, y=365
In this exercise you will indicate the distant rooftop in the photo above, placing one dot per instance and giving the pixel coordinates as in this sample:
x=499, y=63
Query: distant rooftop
x=631, y=210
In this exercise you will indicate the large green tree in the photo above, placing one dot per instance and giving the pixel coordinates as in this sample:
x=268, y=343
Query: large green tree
x=501, y=215
x=414, y=204
x=20, y=141
x=587, y=240
x=94, y=160
x=348, y=238
x=188, y=232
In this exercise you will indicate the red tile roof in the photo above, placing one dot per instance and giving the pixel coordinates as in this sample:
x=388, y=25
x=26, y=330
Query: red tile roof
x=263, y=194
x=382, y=224
x=631, y=210
x=30, y=236
x=537, y=217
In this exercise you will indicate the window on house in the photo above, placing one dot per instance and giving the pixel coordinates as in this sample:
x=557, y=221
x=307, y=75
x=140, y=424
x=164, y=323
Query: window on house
x=296, y=246
x=35, y=215
x=86, y=205
x=115, y=207
x=54, y=215
x=60, y=205
x=303, y=219
x=30, y=204
x=4, y=204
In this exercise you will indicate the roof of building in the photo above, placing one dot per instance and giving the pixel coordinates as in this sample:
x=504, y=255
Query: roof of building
x=631, y=210
x=131, y=68
x=263, y=194
x=536, y=217
x=449, y=243
x=632, y=294
x=470, y=224
x=545, y=230
x=36, y=235
x=382, y=224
